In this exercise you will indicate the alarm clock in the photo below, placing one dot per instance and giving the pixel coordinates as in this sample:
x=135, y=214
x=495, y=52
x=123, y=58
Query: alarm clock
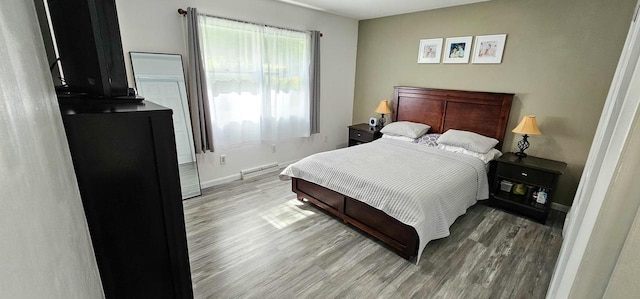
x=373, y=122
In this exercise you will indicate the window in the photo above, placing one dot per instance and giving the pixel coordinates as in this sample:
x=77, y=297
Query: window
x=257, y=80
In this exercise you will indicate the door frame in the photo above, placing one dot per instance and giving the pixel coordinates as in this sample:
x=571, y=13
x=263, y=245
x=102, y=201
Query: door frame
x=604, y=157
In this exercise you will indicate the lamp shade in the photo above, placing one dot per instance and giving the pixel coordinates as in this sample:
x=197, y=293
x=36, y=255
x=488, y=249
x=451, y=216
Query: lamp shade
x=527, y=126
x=383, y=107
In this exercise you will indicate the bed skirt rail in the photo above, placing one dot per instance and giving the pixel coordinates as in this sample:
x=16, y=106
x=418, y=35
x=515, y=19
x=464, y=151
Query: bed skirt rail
x=401, y=237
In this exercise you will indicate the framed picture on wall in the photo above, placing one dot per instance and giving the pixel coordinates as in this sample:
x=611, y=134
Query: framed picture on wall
x=430, y=50
x=489, y=48
x=457, y=49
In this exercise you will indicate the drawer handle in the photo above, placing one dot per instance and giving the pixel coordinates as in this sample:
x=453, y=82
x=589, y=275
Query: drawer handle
x=359, y=135
x=524, y=174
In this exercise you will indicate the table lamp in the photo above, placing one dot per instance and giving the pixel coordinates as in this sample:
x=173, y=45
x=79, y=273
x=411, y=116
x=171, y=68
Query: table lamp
x=527, y=126
x=383, y=108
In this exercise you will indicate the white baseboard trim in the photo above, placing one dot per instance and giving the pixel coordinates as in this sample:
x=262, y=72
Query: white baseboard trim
x=220, y=181
x=237, y=177
x=559, y=207
x=259, y=170
x=283, y=165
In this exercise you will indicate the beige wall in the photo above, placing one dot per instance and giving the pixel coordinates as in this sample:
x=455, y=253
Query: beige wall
x=45, y=250
x=559, y=60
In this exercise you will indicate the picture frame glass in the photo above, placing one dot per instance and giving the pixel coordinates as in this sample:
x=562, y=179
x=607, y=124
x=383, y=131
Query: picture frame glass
x=489, y=48
x=430, y=50
x=457, y=49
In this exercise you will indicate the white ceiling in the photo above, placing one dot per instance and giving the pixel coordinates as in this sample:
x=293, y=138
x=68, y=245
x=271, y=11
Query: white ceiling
x=369, y=9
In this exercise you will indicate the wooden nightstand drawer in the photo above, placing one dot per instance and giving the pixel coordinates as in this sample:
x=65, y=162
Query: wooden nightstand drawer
x=363, y=133
x=360, y=135
x=539, y=174
x=526, y=175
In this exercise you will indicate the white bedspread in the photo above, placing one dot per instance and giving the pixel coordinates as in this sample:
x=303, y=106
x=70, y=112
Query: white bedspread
x=423, y=187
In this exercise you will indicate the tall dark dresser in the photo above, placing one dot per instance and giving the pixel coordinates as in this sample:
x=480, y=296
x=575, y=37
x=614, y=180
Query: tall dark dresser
x=125, y=161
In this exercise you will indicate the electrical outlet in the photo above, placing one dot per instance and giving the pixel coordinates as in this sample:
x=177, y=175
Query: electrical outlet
x=326, y=138
x=273, y=148
x=223, y=159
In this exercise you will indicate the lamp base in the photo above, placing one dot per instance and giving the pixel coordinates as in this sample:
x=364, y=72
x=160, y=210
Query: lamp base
x=521, y=154
x=381, y=121
x=523, y=145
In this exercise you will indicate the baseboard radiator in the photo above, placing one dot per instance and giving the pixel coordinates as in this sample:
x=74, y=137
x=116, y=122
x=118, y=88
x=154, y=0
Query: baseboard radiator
x=256, y=171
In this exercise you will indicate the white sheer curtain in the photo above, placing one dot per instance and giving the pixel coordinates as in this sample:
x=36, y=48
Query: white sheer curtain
x=258, y=80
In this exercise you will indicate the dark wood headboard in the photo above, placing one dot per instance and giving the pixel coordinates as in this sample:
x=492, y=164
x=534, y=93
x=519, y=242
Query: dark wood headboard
x=484, y=113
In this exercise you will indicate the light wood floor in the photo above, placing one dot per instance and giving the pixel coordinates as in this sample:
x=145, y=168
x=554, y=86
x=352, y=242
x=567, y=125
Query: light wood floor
x=254, y=239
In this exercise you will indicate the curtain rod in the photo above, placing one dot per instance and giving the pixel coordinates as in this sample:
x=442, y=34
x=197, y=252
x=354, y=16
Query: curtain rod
x=184, y=13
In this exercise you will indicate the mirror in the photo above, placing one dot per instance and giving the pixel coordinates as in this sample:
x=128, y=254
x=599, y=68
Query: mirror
x=160, y=79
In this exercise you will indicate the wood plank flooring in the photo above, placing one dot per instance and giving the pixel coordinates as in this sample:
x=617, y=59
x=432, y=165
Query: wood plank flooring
x=254, y=239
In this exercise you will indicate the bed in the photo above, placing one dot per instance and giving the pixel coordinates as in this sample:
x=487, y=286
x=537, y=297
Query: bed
x=359, y=200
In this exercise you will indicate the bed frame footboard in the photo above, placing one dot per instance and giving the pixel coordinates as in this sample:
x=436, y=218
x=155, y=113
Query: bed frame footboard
x=401, y=237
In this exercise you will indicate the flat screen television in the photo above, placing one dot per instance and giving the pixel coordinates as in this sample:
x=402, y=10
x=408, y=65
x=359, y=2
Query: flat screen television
x=90, y=48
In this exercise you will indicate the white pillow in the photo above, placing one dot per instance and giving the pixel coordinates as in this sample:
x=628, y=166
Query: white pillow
x=406, y=128
x=486, y=157
x=468, y=140
x=398, y=137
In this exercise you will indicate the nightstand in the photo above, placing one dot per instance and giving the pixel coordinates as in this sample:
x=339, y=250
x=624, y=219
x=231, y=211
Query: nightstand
x=363, y=133
x=536, y=174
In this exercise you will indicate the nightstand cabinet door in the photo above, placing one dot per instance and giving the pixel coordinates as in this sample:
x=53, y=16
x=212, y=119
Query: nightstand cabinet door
x=362, y=133
x=535, y=174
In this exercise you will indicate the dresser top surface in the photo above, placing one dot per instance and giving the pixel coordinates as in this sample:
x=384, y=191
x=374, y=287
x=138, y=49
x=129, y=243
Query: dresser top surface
x=88, y=107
